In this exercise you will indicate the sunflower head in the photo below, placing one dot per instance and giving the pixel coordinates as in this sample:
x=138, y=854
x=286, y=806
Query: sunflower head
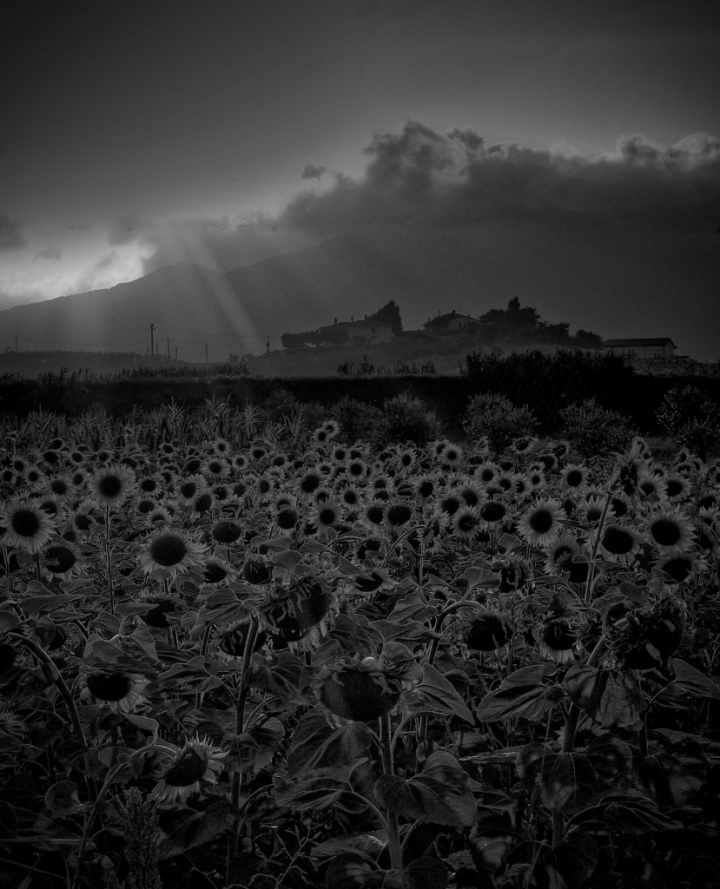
x=197, y=764
x=357, y=691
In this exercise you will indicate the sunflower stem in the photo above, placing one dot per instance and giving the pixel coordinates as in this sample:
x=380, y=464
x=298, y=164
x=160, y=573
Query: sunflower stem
x=235, y=785
x=111, y=587
x=393, y=829
x=596, y=544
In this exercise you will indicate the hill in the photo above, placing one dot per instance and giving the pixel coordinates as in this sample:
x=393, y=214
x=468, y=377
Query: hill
x=575, y=276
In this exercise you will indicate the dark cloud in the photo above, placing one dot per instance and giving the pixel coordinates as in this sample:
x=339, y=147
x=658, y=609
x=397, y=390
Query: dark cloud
x=312, y=172
x=51, y=252
x=420, y=175
x=11, y=238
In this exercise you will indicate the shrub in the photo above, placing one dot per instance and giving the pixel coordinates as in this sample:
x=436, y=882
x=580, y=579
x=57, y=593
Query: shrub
x=692, y=418
x=496, y=417
x=358, y=420
x=592, y=429
x=407, y=419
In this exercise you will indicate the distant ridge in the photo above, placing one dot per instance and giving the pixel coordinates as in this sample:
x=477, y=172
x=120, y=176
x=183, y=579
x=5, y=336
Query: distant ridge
x=576, y=276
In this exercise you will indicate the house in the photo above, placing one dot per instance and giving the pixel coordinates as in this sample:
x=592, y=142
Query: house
x=450, y=321
x=658, y=347
x=365, y=333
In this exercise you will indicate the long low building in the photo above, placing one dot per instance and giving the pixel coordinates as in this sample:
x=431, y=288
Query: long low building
x=657, y=347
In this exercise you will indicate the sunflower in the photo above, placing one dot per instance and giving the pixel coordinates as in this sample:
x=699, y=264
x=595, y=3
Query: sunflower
x=327, y=515
x=28, y=526
x=357, y=691
x=226, y=532
x=487, y=632
x=397, y=514
x=542, y=523
x=310, y=482
x=172, y=551
x=652, y=488
x=451, y=456
x=61, y=561
x=562, y=556
x=465, y=523
x=221, y=447
x=558, y=641
x=680, y=566
x=112, y=485
x=240, y=461
x=60, y=486
x=195, y=764
x=215, y=469
x=574, y=477
x=35, y=477
x=351, y=497
x=450, y=504
x=158, y=515
x=620, y=543
x=523, y=445
x=357, y=468
x=373, y=517
x=591, y=510
x=187, y=489
x=425, y=488
x=670, y=530
x=676, y=487
x=218, y=570
x=492, y=512
x=487, y=473
x=120, y=691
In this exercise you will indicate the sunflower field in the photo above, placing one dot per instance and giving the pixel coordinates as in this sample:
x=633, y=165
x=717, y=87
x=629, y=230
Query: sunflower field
x=256, y=655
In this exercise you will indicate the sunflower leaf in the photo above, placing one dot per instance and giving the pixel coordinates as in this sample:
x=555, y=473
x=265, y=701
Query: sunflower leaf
x=693, y=682
x=440, y=795
x=436, y=693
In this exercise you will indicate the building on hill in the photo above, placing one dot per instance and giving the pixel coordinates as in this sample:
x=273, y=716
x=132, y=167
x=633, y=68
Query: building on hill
x=658, y=347
x=450, y=321
x=365, y=333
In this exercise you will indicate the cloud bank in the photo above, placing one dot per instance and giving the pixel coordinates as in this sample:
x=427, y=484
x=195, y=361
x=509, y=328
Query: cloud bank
x=422, y=176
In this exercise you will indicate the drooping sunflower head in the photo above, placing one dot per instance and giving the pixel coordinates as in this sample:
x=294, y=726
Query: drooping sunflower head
x=119, y=691
x=360, y=692
x=196, y=764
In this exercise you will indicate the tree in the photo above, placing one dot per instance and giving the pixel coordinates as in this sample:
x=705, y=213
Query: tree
x=587, y=336
x=388, y=314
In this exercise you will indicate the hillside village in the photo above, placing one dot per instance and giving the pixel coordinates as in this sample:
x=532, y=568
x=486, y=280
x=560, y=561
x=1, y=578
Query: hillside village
x=516, y=325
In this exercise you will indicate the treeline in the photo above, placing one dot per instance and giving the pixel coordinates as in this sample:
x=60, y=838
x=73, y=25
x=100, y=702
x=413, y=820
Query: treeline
x=547, y=384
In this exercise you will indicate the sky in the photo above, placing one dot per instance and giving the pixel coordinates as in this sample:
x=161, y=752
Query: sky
x=138, y=135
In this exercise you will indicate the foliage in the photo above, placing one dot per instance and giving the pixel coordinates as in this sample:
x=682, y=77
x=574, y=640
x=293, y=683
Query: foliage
x=407, y=419
x=388, y=314
x=498, y=419
x=592, y=429
x=426, y=667
x=692, y=417
x=358, y=420
x=549, y=382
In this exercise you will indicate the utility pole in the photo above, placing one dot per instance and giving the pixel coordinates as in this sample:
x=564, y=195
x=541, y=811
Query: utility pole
x=168, y=348
x=16, y=343
x=206, y=354
x=153, y=328
x=267, y=348
x=176, y=353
